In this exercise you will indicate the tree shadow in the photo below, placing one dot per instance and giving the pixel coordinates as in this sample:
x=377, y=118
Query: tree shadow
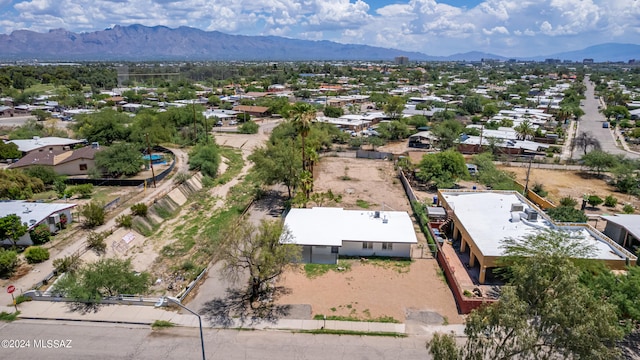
x=237, y=306
x=84, y=308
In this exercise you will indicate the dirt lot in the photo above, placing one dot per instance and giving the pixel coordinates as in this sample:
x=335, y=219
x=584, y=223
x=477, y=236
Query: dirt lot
x=368, y=291
x=370, y=181
x=560, y=183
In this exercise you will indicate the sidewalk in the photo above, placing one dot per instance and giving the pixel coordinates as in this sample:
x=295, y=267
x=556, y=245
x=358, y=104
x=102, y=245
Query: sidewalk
x=146, y=315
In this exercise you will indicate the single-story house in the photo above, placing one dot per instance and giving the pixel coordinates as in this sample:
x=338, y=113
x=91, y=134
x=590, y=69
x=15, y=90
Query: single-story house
x=33, y=214
x=623, y=229
x=258, y=111
x=326, y=233
x=45, y=144
x=63, y=162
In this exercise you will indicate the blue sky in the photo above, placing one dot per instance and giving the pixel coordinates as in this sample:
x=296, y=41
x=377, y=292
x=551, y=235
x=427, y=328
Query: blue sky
x=435, y=27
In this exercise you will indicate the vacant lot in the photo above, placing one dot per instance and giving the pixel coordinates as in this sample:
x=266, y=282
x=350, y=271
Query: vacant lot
x=362, y=183
x=561, y=183
x=366, y=290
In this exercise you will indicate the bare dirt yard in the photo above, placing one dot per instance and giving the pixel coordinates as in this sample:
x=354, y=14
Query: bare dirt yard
x=366, y=290
x=561, y=183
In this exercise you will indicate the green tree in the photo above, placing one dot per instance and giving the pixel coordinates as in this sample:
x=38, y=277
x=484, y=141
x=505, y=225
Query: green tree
x=120, y=159
x=594, y=200
x=393, y=130
x=599, y=161
x=442, y=169
x=489, y=110
x=394, y=106
x=12, y=228
x=278, y=163
x=8, y=261
x=44, y=173
x=302, y=116
x=257, y=255
x=106, y=277
x=40, y=115
x=9, y=151
x=333, y=112
x=568, y=201
x=525, y=130
x=104, y=127
x=205, y=157
x=93, y=214
x=544, y=312
x=472, y=104
x=448, y=133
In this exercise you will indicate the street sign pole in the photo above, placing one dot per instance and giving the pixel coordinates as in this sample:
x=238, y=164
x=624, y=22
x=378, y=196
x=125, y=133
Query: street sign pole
x=10, y=290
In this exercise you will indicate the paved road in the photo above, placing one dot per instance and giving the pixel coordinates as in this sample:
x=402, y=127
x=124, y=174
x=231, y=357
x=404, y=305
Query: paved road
x=592, y=122
x=104, y=341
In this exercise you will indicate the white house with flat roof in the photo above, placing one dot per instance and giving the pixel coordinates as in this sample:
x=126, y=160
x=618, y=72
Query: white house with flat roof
x=325, y=233
x=624, y=229
x=33, y=214
x=45, y=143
x=482, y=220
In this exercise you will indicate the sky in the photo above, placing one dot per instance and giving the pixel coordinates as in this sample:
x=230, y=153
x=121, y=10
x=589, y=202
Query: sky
x=510, y=28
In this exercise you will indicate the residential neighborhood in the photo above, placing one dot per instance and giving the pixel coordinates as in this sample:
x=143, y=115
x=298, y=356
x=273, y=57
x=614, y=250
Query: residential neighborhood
x=400, y=199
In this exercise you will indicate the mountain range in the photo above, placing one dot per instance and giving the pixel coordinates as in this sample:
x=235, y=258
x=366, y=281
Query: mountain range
x=158, y=43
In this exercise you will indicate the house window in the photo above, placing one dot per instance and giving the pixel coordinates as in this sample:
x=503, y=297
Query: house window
x=83, y=167
x=334, y=249
x=367, y=245
x=387, y=246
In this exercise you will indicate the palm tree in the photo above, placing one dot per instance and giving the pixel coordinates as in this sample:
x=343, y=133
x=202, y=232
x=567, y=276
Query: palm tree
x=302, y=115
x=524, y=130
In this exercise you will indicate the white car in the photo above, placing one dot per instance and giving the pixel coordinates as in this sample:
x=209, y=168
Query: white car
x=233, y=122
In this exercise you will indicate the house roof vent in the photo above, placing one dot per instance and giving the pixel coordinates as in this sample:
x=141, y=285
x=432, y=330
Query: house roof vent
x=517, y=207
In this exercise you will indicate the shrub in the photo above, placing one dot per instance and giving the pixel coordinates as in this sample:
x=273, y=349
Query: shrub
x=8, y=261
x=84, y=190
x=567, y=214
x=568, y=201
x=249, y=127
x=594, y=200
x=69, y=263
x=93, y=214
x=610, y=201
x=539, y=189
x=628, y=209
x=40, y=234
x=140, y=209
x=124, y=221
x=96, y=242
x=181, y=178
x=36, y=254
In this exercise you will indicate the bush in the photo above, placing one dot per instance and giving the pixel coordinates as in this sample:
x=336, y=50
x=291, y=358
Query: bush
x=36, y=254
x=181, y=178
x=539, y=189
x=124, y=221
x=628, y=209
x=249, y=127
x=594, y=200
x=140, y=209
x=69, y=263
x=84, y=190
x=40, y=234
x=568, y=201
x=610, y=201
x=96, y=242
x=8, y=261
x=93, y=214
x=567, y=214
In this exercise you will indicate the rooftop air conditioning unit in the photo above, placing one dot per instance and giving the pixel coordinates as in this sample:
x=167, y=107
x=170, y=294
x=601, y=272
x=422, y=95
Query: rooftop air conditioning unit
x=517, y=207
x=532, y=215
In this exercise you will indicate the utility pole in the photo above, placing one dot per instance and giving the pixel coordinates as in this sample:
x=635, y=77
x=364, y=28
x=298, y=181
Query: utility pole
x=526, y=184
x=150, y=160
x=195, y=131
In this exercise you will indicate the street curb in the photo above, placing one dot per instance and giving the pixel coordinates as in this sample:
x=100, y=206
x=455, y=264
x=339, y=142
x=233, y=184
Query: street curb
x=85, y=320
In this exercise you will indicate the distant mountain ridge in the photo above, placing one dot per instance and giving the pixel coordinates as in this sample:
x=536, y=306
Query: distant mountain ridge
x=157, y=43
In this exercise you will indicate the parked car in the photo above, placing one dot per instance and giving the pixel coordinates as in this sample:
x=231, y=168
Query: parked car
x=219, y=123
x=233, y=122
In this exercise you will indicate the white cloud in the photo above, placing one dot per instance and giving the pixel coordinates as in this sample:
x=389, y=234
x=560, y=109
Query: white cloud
x=509, y=27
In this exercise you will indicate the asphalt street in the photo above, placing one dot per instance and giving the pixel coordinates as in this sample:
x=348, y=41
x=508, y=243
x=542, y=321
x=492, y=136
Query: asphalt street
x=106, y=341
x=592, y=121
